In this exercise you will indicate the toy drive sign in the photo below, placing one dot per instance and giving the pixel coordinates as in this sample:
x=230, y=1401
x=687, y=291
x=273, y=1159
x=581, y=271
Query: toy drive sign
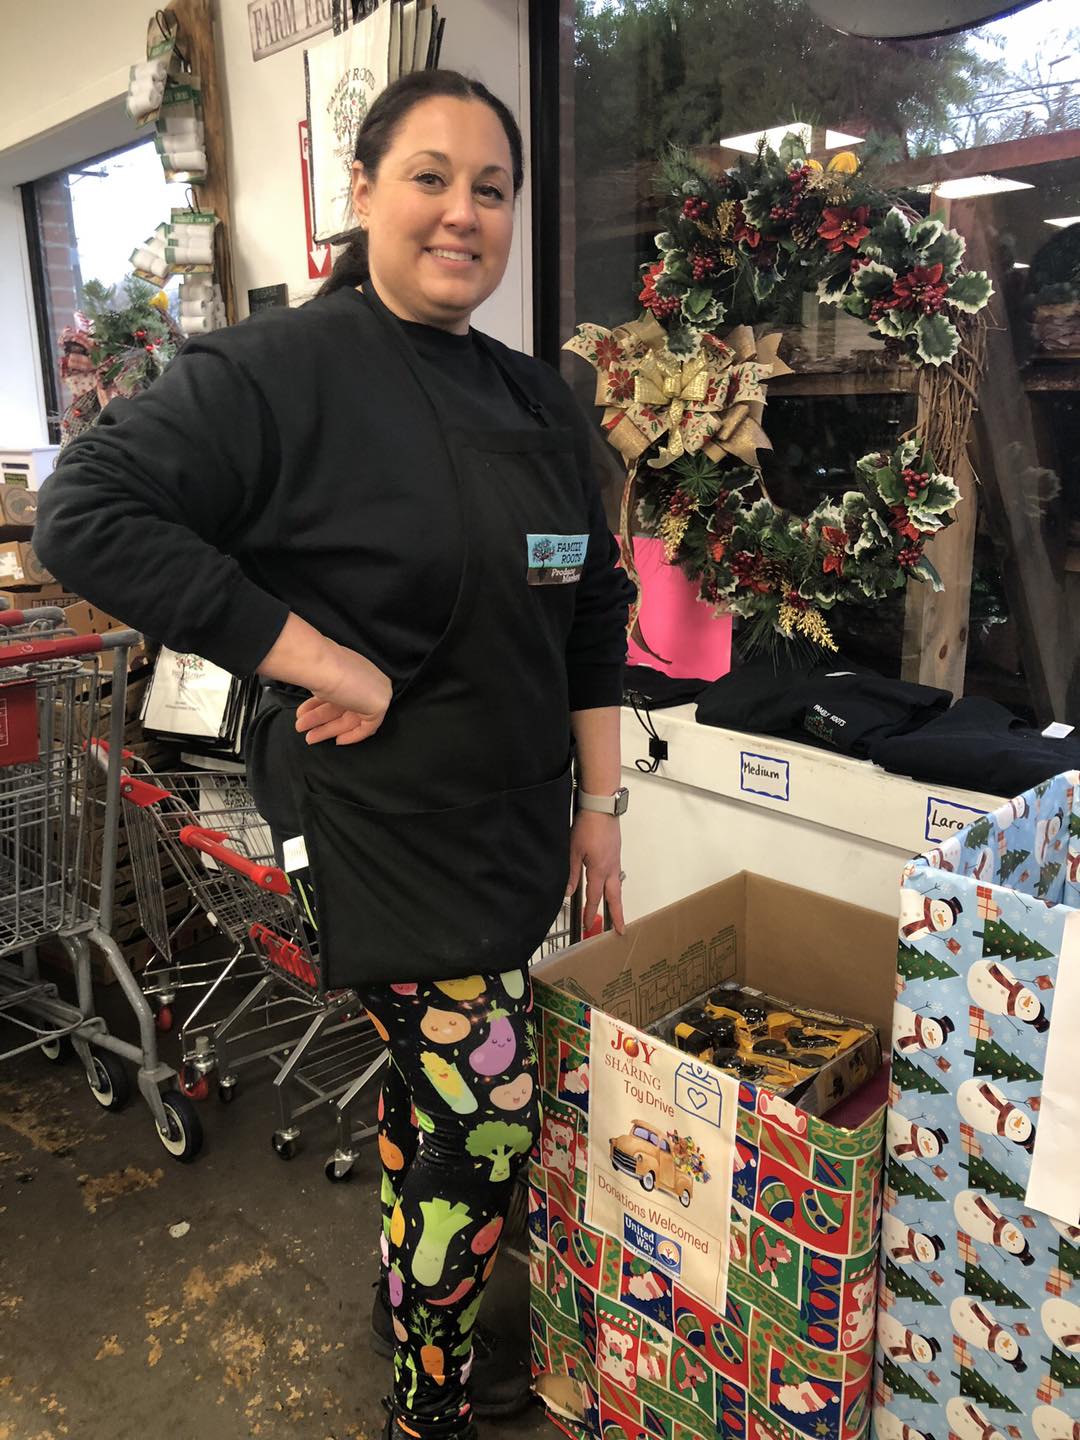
x=660, y=1155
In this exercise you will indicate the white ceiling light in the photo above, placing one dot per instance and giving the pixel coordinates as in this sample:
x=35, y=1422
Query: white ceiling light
x=750, y=142
x=1021, y=265
x=837, y=140
x=972, y=185
x=1064, y=221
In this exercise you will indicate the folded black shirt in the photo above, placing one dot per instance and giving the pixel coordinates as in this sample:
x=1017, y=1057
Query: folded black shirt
x=978, y=745
x=650, y=689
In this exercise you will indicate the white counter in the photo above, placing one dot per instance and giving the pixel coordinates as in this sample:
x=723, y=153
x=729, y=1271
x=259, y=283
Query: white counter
x=725, y=801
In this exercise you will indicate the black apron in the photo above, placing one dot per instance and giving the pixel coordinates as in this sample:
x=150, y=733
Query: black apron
x=440, y=846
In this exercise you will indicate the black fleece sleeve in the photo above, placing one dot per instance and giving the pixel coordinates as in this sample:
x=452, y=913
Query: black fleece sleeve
x=596, y=649
x=142, y=512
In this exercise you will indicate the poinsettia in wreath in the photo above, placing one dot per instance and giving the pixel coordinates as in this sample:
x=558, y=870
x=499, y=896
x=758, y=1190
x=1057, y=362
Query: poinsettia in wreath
x=683, y=404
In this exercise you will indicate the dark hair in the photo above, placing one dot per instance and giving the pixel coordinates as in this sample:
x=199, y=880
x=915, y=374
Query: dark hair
x=376, y=135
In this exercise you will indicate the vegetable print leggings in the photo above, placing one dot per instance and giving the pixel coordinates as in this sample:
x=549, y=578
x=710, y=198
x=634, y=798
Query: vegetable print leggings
x=463, y=1062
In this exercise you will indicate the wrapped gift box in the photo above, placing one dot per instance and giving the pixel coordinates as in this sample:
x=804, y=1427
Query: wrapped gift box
x=979, y=1314
x=618, y=1339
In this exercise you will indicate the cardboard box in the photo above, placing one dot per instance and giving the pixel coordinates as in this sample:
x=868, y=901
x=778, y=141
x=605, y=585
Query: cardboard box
x=20, y=567
x=979, y=1310
x=618, y=1340
x=18, y=506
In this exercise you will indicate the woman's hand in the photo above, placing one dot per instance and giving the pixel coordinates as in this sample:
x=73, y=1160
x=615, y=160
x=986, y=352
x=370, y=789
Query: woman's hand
x=596, y=845
x=349, y=705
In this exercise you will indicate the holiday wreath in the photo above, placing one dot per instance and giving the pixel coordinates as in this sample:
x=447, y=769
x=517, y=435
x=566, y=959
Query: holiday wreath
x=683, y=404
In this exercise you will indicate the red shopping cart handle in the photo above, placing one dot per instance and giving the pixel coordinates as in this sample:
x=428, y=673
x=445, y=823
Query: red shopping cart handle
x=211, y=842
x=26, y=652
x=12, y=619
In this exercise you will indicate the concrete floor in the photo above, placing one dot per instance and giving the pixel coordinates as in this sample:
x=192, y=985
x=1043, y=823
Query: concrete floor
x=141, y=1299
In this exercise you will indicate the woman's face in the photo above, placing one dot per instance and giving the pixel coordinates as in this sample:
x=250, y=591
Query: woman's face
x=440, y=212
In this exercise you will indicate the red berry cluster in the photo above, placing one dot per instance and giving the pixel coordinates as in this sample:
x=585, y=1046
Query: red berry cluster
x=703, y=263
x=858, y=261
x=914, y=481
x=680, y=503
x=663, y=306
x=797, y=177
x=909, y=557
x=695, y=207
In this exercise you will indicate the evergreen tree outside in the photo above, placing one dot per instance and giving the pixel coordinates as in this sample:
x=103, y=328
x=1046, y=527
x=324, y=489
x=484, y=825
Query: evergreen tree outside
x=907, y=1076
x=906, y=1182
x=992, y=1060
x=915, y=964
x=974, y=1387
x=901, y=1283
x=984, y=1176
x=1002, y=940
x=901, y=1383
x=977, y=1282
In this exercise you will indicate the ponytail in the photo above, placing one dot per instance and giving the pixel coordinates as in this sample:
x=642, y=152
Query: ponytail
x=351, y=266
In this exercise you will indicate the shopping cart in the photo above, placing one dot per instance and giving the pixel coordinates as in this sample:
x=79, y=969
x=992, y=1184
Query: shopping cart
x=51, y=692
x=204, y=826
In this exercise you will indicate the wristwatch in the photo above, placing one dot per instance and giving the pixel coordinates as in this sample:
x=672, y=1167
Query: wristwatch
x=605, y=804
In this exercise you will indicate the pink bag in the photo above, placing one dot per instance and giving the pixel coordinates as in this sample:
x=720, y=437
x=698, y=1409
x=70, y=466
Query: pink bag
x=675, y=623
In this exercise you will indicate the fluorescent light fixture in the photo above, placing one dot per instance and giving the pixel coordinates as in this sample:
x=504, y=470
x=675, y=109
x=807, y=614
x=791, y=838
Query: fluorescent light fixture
x=837, y=140
x=774, y=136
x=1064, y=221
x=972, y=185
x=1021, y=265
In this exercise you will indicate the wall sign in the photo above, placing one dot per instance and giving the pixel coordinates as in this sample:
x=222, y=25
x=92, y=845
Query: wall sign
x=266, y=297
x=277, y=24
x=318, y=256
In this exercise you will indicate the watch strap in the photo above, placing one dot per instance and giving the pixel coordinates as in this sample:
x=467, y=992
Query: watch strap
x=605, y=804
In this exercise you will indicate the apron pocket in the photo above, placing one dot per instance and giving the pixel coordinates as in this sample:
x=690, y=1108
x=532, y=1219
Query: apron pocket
x=436, y=894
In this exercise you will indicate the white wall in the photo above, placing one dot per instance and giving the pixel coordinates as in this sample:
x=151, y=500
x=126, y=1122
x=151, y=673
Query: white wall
x=63, y=73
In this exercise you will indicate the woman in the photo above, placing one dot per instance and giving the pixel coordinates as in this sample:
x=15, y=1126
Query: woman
x=392, y=520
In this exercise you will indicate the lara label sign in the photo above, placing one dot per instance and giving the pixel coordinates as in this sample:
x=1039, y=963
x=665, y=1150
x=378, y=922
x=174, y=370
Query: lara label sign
x=661, y=1144
x=277, y=24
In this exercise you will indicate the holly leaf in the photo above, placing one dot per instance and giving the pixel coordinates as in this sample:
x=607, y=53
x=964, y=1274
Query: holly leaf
x=697, y=300
x=889, y=241
x=948, y=250
x=937, y=340
x=833, y=288
x=889, y=485
x=970, y=291
x=942, y=494
x=792, y=148
x=925, y=570
x=873, y=281
x=925, y=233
x=764, y=283
x=897, y=324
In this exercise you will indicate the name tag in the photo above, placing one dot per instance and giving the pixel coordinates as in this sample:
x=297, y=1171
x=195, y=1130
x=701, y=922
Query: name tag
x=555, y=559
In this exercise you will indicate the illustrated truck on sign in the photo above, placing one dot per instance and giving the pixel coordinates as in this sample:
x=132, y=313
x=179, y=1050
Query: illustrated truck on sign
x=648, y=1157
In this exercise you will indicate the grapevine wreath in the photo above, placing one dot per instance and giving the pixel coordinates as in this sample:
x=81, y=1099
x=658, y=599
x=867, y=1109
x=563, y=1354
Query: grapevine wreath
x=683, y=404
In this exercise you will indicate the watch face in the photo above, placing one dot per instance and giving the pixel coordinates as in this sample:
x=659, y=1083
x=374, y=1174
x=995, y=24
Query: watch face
x=886, y=20
x=622, y=801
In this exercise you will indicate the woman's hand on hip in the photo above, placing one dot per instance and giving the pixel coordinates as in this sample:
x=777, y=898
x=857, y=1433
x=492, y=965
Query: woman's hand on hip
x=349, y=704
x=596, y=847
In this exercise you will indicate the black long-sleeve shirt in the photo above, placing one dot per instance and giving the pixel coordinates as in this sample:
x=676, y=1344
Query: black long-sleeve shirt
x=285, y=465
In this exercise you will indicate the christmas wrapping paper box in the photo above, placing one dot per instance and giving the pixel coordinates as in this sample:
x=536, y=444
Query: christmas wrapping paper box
x=622, y=1348
x=979, y=1307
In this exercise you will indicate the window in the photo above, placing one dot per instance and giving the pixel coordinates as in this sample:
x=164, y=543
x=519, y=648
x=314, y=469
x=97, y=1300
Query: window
x=987, y=123
x=83, y=224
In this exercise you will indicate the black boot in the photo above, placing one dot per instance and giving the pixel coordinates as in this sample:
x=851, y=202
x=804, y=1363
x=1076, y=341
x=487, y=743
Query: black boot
x=499, y=1380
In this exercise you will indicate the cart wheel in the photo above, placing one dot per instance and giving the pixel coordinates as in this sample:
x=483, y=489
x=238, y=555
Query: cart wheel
x=192, y=1084
x=684, y=1198
x=226, y=1091
x=648, y=1180
x=163, y=1019
x=58, y=1051
x=336, y=1172
x=112, y=1089
x=284, y=1145
x=184, y=1137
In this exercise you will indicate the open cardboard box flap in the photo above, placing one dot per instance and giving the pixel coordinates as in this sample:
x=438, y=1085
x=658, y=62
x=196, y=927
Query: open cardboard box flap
x=799, y=946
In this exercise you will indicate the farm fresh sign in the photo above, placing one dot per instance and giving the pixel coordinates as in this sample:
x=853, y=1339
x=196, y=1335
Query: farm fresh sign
x=277, y=24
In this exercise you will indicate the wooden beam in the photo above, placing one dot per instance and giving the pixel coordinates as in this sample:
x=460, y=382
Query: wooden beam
x=985, y=159
x=1017, y=496
x=197, y=43
x=936, y=622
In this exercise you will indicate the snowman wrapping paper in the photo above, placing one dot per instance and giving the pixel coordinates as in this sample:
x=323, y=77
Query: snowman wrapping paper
x=979, y=1291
